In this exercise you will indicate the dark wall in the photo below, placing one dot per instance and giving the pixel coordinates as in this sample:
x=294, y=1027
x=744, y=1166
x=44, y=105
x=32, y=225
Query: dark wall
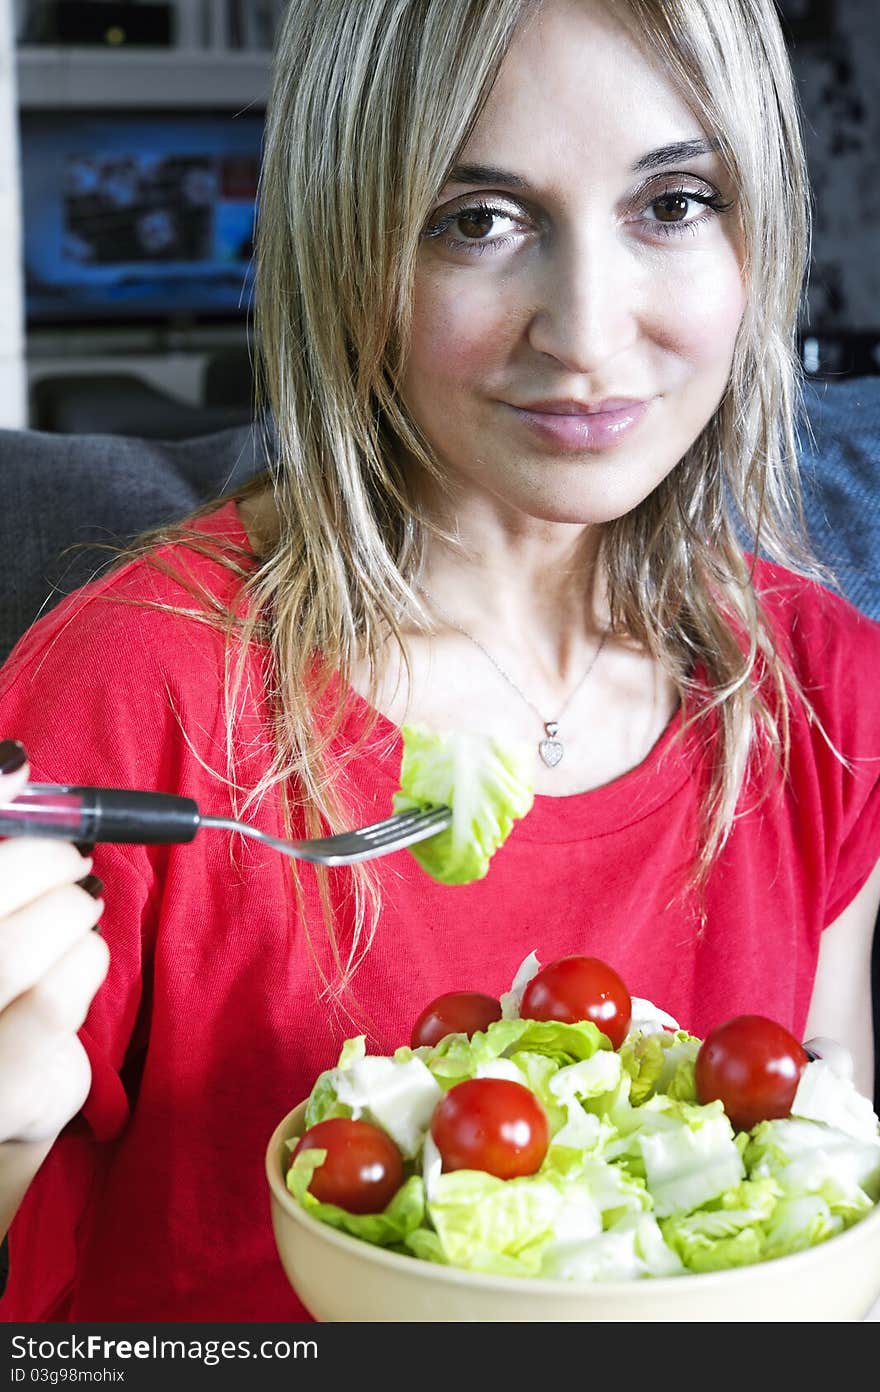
x=835, y=50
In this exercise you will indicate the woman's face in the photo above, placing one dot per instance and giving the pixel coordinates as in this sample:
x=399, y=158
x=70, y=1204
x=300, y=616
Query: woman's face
x=579, y=288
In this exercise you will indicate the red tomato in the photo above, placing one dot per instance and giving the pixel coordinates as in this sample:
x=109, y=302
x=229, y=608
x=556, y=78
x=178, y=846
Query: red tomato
x=458, y=1012
x=363, y=1169
x=491, y=1124
x=753, y=1065
x=580, y=988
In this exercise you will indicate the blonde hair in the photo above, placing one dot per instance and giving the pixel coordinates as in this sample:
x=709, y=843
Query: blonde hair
x=372, y=100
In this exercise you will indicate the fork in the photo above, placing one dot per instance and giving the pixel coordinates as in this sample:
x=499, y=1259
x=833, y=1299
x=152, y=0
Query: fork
x=118, y=815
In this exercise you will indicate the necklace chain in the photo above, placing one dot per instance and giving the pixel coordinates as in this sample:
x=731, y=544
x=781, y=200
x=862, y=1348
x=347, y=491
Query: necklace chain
x=551, y=749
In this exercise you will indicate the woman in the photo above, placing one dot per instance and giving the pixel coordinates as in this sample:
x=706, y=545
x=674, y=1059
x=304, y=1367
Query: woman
x=528, y=277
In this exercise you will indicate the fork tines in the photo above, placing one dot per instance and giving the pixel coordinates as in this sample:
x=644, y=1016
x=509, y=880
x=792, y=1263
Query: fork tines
x=403, y=829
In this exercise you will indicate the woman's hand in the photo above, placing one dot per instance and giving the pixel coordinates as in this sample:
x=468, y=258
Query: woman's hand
x=51, y=965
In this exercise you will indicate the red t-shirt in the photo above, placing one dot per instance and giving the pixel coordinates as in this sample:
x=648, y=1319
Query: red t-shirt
x=210, y=1026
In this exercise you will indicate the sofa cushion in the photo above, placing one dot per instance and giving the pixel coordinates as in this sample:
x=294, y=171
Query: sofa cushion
x=842, y=484
x=62, y=491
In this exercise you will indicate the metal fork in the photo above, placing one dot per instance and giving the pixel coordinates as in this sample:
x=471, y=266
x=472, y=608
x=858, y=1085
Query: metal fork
x=125, y=815
x=348, y=847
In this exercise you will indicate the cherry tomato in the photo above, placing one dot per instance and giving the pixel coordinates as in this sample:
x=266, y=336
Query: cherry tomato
x=753, y=1065
x=458, y=1012
x=491, y=1124
x=580, y=988
x=363, y=1169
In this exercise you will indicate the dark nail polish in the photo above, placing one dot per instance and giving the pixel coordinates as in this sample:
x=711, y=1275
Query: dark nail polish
x=12, y=755
x=85, y=848
x=96, y=928
x=92, y=885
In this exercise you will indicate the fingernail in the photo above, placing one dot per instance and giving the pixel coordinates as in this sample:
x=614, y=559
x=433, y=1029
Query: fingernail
x=85, y=848
x=13, y=756
x=92, y=885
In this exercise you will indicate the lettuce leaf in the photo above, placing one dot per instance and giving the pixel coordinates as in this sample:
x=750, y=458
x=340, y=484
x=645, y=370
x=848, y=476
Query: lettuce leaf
x=810, y=1158
x=825, y=1095
x=488, y=783
x=324, y=1100
x=727, y=1233
x=456, y=1057
x=496, y=1225
x=799, y=1223
x=399, y=1095
x=687, y=1165
x=512, y=1000
x=631, y=1249
x=661, y=1063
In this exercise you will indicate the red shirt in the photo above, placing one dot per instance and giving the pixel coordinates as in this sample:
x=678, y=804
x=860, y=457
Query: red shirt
x=153, y=1205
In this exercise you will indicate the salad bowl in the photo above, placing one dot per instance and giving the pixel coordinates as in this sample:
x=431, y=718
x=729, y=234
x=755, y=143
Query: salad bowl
x=341, y=1278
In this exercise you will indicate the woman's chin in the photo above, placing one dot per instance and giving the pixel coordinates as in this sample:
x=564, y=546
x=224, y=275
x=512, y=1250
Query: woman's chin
x=580, y=504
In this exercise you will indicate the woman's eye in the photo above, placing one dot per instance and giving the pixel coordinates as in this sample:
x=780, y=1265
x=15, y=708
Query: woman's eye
x=674, y=211
x=474, y=228
x=672, y=207
x=475, y=222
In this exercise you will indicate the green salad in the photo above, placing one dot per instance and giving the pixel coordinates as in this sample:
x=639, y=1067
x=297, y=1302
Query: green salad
x=627, y=1173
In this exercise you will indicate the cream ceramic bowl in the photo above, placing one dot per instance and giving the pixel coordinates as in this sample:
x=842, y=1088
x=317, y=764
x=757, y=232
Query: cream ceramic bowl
x=340, y=1278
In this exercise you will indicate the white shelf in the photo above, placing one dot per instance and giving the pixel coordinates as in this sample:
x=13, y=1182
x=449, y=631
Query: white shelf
x=51, y=77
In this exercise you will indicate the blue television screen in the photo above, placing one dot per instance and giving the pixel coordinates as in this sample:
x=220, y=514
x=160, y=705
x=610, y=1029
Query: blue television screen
x=132, y=217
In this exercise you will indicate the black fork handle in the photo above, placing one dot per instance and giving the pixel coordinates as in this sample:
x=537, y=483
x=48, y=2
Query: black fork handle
x=118, y=815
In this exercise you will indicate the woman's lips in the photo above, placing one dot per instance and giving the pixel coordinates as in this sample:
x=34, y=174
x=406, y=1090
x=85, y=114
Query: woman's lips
x=575, y=426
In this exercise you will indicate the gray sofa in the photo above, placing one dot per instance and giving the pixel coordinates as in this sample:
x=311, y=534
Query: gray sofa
x=842, y=484
x=60, y=490
x=86, y=491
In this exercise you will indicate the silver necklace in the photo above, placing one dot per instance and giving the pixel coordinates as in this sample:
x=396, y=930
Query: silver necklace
x=550, y=748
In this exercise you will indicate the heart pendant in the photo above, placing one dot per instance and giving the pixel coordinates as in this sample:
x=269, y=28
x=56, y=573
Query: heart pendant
x=551, y=752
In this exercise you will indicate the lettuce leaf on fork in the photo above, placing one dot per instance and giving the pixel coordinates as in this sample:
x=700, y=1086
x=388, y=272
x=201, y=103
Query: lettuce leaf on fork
x=488, y=783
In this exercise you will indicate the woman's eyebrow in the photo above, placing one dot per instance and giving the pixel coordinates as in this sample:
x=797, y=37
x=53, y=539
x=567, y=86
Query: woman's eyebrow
x=674, y=154
x=484, y=174
x=655, y=159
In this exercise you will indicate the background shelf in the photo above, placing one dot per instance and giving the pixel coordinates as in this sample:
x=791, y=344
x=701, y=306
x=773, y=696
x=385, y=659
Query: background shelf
x=50, y=78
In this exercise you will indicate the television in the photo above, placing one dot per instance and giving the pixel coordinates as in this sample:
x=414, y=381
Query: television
x=136, y=217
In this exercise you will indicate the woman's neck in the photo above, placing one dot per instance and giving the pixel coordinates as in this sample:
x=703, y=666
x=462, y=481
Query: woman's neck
x=520, y=585
x=524, y=584
x=535, y=603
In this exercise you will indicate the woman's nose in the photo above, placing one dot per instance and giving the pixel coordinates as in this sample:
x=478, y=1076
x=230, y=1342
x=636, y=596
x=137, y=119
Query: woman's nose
x=587, y=303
